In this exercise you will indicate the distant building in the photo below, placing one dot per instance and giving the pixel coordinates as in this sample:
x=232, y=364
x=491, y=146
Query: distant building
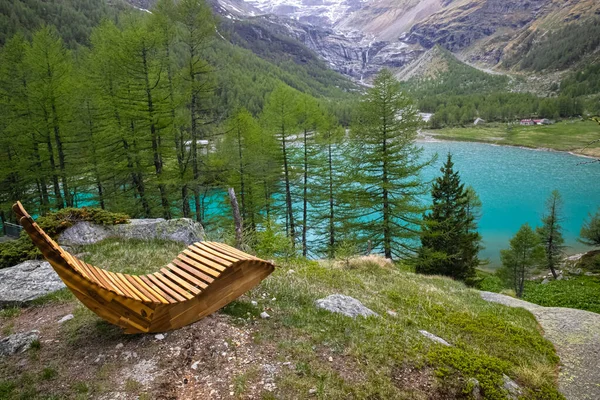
x=530, y=122
x=478, y=121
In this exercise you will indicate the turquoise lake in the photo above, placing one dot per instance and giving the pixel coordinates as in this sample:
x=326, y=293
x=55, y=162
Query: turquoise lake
x=514, y=183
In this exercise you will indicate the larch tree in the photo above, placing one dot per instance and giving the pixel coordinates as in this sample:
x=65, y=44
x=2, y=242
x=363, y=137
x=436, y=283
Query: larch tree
x=50, y=93
x=279, y=117
x=386, y=168
x=308, y=119
x=143, y=64
x=524, y=256
x=550, y=232
x=107, y=80
x=21, y=164
x=590, y=231
x=328, y=186
x=197, y=29
x=450, y=242
x=247, y=152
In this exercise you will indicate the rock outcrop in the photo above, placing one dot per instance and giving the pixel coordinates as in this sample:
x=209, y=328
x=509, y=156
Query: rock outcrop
x=346, y=305
x=27, y=281
x=182, y=230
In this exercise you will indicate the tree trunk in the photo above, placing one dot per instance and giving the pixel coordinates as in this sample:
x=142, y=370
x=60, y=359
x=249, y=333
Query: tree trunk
x=156, y=139
x=331, y=204
x=237, y=219
x=305, y=196
x=288, y=193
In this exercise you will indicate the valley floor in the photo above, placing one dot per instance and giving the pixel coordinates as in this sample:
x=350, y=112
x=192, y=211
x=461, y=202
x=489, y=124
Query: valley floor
x=574, y=136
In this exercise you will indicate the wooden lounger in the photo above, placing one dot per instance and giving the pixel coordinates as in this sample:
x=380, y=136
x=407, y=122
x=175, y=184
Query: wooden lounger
x=202, y=279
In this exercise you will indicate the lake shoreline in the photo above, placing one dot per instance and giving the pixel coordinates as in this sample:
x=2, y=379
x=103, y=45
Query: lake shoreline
x=435, y=137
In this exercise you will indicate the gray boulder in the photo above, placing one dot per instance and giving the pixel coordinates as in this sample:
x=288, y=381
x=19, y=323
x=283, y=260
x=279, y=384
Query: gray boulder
x=17, y=343
x=513, y=390
x=346, y=305
x=182, y=230
x=27, y=281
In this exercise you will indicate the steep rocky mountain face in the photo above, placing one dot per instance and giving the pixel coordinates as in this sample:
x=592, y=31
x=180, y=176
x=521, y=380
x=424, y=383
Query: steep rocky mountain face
x=359, y=37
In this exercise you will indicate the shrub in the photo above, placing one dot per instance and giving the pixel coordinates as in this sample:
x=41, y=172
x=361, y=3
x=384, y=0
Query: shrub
x=22, y=249
x=578, y=292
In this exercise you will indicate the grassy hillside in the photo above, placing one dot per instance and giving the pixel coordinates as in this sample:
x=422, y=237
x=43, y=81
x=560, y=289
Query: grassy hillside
x=557, y=49
x=299, y=352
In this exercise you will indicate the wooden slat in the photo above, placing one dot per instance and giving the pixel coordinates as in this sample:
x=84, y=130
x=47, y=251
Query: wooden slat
x=181, y=282
x=101, y=279
x=111, y=286
x=124, y=288
x=230, y=250
x=87, y=274
x=165, y=288
x=205, y=254
x=207, y=261
x=115, y=285
x=200, y=265
x=137, y=293
x=142, y=289
x=173, y=285
x=193, y=270
x=150, y=282
x=75, y=265
x=91, y=273
x=185, y=275
x=121, y=279
x=211, y=251
x=150, y=289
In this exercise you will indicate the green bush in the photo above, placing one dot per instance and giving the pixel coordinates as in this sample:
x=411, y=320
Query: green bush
x=22, y=249
x=578, y=292
x=490, y=283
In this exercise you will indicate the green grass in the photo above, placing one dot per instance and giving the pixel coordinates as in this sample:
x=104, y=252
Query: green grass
x=132, y=256
x=371, y=357
x=488, y=340
x=582, y=292
x=564, y=136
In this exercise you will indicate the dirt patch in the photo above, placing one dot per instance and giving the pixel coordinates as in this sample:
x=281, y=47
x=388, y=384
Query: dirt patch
x=213, y=358
x=416, y=381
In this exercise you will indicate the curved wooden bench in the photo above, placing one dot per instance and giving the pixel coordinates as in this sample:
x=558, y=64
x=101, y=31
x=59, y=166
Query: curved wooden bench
x=200, y=280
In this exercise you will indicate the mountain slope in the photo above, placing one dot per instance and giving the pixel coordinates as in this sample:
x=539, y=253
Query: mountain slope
x=357, y=38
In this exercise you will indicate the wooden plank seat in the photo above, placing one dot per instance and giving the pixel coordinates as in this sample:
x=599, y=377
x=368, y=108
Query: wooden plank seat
x=200, y=280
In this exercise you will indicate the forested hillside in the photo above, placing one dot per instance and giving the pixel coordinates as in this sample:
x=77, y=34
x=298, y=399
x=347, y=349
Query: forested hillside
x=458, y=93
x=160, y=114
x=74, y=19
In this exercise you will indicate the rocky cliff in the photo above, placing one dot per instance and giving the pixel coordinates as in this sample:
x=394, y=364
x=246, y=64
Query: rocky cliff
x=358, y=38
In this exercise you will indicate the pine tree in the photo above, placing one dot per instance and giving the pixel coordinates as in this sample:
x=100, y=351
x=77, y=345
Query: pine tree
x=386, y=169
x=449, y=238
x=522, y=258
x=550, y=232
